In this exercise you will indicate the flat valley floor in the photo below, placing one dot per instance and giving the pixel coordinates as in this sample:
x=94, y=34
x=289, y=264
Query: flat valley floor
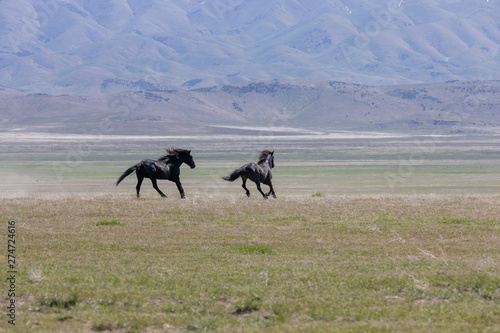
x=344, y=163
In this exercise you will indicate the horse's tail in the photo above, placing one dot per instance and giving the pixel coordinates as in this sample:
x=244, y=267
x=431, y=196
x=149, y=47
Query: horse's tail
x=128, y=172
x=235, y=174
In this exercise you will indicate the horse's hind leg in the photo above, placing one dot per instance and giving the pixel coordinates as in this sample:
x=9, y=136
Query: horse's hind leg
x=244, y=185
x=155, y=185
x=140, y=178
x=260, y=190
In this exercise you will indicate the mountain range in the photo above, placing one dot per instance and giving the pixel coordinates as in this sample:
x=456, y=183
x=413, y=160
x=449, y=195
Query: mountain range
x=89, y=47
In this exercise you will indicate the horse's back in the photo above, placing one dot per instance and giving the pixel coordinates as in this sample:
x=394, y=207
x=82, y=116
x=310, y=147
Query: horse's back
x=148, y=168
x=158, y=169
x=252, y=168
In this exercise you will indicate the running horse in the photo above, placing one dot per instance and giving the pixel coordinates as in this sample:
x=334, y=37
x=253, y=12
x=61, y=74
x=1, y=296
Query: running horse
x=259, y=172
x=165, y=167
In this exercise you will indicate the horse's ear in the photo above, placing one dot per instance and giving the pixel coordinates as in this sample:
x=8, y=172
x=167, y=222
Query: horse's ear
x=189, y=152
x=272, y=153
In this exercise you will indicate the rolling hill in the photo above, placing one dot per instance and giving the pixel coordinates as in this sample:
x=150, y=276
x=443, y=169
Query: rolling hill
x=451, y=107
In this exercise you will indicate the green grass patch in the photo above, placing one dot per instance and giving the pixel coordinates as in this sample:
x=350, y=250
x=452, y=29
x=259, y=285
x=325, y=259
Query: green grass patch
x=455, y=220
x=254, y=249
x=109, y=223
x=467, y=221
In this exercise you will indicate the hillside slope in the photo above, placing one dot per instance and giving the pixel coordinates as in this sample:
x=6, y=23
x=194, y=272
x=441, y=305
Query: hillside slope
x=451, y=107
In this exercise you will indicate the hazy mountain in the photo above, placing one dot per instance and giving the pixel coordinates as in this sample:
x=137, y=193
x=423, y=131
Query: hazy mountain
x=90, y=46
x=441, y=108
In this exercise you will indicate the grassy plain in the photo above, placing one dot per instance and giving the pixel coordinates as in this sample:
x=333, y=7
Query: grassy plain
x=297, y=263
x=377, y=235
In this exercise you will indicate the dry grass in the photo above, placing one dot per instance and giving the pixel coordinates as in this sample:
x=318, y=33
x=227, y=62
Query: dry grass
x=231, y=264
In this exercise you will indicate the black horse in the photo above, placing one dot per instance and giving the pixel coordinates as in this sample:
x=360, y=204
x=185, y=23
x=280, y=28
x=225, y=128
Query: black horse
x=166, y=167
x=259, y=172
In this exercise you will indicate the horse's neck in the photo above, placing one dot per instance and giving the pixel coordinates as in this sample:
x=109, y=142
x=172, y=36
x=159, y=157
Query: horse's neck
x=173, y=161
x=176, y=162
x=266, y=163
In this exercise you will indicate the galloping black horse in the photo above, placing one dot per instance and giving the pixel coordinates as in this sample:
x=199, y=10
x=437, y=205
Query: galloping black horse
x=166, y=167
x=259, y=172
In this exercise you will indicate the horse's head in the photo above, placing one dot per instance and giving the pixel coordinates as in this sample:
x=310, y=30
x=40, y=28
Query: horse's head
x=185, y=157
x=267, y=156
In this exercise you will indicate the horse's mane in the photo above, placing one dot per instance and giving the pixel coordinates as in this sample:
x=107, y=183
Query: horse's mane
x=171, y=152
x=263, y=155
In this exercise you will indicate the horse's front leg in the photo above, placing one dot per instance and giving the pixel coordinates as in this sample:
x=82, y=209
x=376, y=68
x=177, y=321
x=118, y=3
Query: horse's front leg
x=181, y=190
x=271, y=189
